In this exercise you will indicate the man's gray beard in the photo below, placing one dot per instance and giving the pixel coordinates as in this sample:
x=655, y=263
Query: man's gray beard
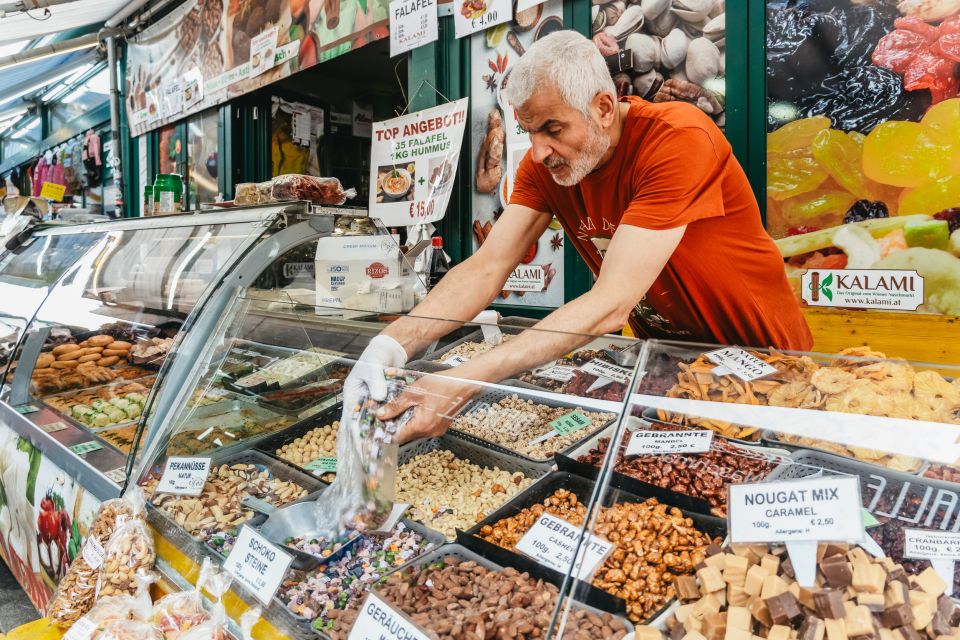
x=597, y=144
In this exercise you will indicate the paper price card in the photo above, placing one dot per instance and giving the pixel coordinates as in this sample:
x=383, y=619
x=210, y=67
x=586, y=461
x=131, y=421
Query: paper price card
x=413, y=23
x=118, y=475
x=573, y=421
x=664, y=442
x=86, y=447
x=380, y=621
x=52, y=191
x=455, y=361
x=327, y=464
x=559, y=372
x=257, y=564
x=27, y=408
x=54, y=427
x=92, y=552
x=82, y=629
x=804, y=510
x=603, y=369
x=740, y=363
x=552, y=542
x=941, y=548
x=184, y=476
x=470, y=16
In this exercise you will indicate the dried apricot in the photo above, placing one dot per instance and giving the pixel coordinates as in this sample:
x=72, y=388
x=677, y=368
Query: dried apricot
x=943, y=116
x=805, y=207
x=906, y=154
x=931, y=197
x=842, y=158
x=788, y=177
x=795, y=135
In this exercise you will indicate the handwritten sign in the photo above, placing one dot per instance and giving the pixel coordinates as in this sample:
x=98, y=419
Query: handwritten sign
x=52, y=191
x=257, y=564
x=745, y=366
x=184, y=476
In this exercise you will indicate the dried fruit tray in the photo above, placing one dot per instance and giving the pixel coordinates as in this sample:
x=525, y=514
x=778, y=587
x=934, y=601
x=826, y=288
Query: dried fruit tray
x=771, y=438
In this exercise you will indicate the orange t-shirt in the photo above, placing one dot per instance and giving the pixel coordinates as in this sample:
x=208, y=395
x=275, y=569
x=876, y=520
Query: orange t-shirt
x=725, y=283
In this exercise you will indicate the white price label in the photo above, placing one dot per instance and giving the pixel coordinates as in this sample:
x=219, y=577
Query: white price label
x=802, y=510
x=603, y=369
x=53, y=427
x=558, y=372
x=413, y=23
x=740, y=363
x=552, y=542
x=118, y=475
x=921, y=544
x=92, y=552
x=82, y=629
x=380, y=621
x=664, y=442
x=455, y=361
x=257, y=564
x=184, y=476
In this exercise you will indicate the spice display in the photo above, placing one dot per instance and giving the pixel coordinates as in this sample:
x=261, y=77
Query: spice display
x=457, y=599
x=678, y=49
x=446, y=492
x=76, y=591
x=220, y=506
x=646, y=562
x=750, y=591
x=471, y=349
x=700, y=475
x=317, y=443
x=519, y=425
x=193, y=442
x=347, y=580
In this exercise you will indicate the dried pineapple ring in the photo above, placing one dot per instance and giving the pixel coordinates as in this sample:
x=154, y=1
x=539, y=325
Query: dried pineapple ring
x=860, y=398
x=789, y=395
x=930, y=385
x=831, y=380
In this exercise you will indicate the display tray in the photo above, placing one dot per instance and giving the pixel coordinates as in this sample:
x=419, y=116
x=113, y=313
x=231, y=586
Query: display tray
x=770, y=439
x=464, y=553
x=475, y=453
x=570, y=462
x=583, y=488
x=493, y=396
x=211, y=423
x=271, y=443
x=318, y=371
x=652, y=414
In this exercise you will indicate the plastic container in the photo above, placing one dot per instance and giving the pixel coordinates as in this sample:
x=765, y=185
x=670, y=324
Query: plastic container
x=148, y=200
x=168, y=193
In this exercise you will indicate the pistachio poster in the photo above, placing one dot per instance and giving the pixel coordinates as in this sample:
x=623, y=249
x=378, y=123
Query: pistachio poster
x=206, y=52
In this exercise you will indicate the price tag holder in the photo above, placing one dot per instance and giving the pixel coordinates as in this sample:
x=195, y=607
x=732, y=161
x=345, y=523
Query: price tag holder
x=455, y=361
x=941, y=548
x=257, y=564
x=326, y=464
x=667, y=442
x=380, y=621
x=552, y=542
x=558, y=372
x=54, y=427
x=92, y=552
x=740, y=363
x=800, y=513
x=184, y=476
x=573, y=421
x=603, y=369
x=86, y=447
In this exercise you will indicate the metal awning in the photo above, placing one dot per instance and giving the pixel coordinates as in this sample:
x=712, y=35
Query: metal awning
x=63, y=17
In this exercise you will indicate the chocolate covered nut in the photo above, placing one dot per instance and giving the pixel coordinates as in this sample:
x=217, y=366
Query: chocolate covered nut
x=784, y=608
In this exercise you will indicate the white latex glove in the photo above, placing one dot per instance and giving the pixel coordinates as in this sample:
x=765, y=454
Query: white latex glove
x=381, y=354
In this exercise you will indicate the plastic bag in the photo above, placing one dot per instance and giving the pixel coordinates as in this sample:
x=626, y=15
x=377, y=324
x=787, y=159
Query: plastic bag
x=326, y=191
x=248, y=619
x=215, y=626
x=115, y=609
x=128, y=630
x=75, y=594
x=361, y=496
x=128, y=554
x=246, y=193
x=179, y=612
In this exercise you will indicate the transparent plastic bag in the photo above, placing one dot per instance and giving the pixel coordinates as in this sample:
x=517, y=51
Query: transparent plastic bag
x=325, y=191
x=248, y=619
x=214, y=627
x=128, y=554
x=361, y=496
x=76, y=592
x=177, y=613
x=115, y=609
x=246, y=193
x=129, y=630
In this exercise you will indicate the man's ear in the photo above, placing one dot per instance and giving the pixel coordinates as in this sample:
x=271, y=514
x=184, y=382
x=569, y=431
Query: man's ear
x=604, y=108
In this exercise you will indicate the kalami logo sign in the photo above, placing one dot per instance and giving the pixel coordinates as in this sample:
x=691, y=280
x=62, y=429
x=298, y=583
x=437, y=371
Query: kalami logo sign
x=862, y=288
x=377, y=270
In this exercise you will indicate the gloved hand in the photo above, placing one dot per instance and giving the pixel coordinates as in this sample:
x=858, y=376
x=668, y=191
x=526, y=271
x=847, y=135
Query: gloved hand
x=382, y=353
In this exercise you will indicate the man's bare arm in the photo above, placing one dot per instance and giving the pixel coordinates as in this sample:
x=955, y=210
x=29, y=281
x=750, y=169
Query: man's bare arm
x=471, y=286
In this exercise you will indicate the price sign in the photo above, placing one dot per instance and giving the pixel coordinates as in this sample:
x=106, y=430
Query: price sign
x=327, y=464
x=413, y=23
x=573, y=421
x=263, y=51
x=118, y=475
x=54, y=427
x=92, y=552
x=740, y=363
x=470, y=16
x=921, y=544
x=422, y=209
x=603, y=369
x=257, y=564
x=184, y=476
x=802, y=510
x=86, y=447
x=455, y=361
x=380, y=621
x=52, y=191
x=666, y=442
x=552, y=542
x=559, y=372
x=27, y=408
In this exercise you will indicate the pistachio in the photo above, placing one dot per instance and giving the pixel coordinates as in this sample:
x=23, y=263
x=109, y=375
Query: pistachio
x=630, y=22
x=653, y=9
x=646, y=51
x=673, y=49
x=703, y=61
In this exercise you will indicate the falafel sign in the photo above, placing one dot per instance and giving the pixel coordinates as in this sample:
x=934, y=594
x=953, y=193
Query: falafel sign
x=413, y=163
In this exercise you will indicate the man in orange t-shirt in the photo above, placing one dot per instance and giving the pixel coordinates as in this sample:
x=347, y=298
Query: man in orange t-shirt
x=654, y=201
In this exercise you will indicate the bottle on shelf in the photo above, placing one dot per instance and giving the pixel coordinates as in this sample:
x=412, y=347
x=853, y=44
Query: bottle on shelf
x=439, y=265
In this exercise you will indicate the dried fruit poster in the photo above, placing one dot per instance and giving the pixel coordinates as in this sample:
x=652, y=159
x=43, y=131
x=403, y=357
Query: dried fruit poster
x=863, y=157
x=210, y=51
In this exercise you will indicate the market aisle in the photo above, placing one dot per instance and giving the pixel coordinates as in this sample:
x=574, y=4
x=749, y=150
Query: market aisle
x=15, y=608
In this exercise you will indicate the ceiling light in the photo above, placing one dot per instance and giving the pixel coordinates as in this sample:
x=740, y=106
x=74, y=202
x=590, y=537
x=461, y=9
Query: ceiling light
x=68, y=46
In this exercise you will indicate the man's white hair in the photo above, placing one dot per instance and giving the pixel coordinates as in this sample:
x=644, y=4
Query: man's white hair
x=565, y=60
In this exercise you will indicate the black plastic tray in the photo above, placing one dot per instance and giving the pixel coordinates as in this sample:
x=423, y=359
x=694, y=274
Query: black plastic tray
x=583, y=489
x=769, y=438
x=493, y=396
x=274, y=441
x=650, y=414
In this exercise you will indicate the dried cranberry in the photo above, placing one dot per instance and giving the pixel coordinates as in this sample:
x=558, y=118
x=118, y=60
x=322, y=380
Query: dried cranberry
x=802, y=229
x=866, y=210
x=952, y=216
